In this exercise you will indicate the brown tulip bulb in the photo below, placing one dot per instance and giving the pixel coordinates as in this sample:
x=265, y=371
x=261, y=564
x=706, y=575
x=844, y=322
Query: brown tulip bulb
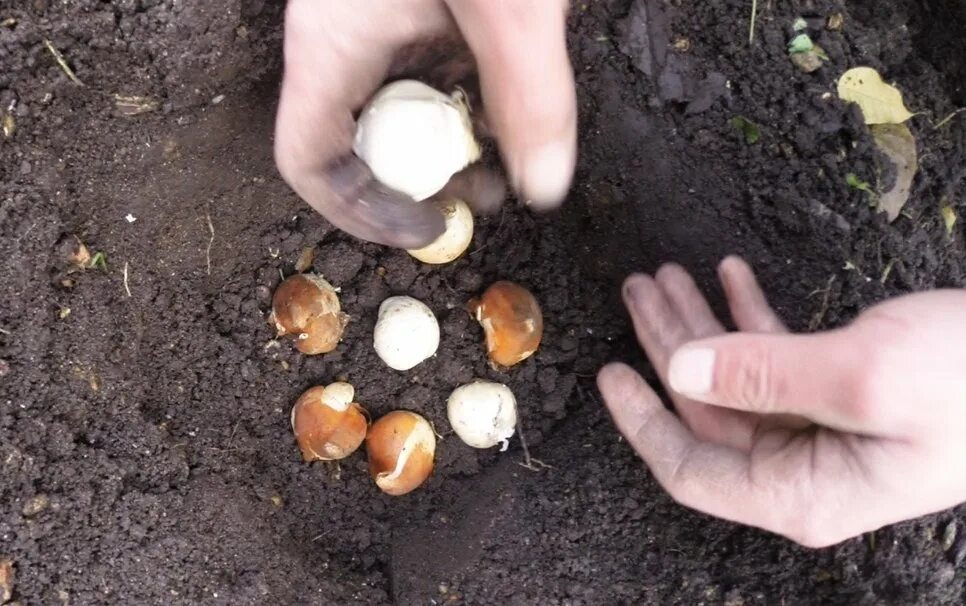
x=401, y=447
x=512, y=321
x=328, y=425
x=307, y=306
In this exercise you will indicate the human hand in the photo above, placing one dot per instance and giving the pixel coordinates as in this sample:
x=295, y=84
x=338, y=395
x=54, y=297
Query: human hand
x=338, y=53
x=815, y=437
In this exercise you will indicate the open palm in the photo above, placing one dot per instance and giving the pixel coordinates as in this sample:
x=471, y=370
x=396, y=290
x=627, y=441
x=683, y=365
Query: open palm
x=814, y=437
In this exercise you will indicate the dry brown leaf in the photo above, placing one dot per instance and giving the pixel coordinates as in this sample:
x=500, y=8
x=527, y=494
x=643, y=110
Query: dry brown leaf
x=79, y=256
x=6, y=580
x=898, y=144
x=881, y=103
x=306, y=257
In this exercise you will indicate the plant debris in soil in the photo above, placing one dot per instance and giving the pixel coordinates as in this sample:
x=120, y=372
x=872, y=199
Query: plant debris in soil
x=153, y=420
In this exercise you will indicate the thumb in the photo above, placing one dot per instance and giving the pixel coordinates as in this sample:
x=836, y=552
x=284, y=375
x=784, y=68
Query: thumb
x=819, y=377
x=528, y=90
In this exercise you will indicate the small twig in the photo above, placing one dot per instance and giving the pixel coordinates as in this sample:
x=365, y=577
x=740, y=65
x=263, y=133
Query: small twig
x=823, y=309
x=949, y=118
x=62, y=63
x=319, y=536
x=211, y=240
x=5, y=331
x=754, y=17
x=232, y=436
x=127, y=288
x=24, y=234
x=431, y=426
x=529, y=462
x=887, y=270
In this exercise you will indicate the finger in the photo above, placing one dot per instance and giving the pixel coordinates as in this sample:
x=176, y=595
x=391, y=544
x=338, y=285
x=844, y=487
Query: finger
x=820, y=377
x=528, y=90
x=483, y=189
x=444, y=62
x=369, y=210
x=658, y=327
x=660, y=331
x=711, y=478
x=752, y=313
x=688, y=301
x=749, y=306
x=334, y=60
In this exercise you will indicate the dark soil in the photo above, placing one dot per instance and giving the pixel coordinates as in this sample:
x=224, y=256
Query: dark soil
x=144, y=440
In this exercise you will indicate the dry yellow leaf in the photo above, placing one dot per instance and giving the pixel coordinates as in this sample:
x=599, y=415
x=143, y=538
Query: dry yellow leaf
x=881, y=103
x=949, y=218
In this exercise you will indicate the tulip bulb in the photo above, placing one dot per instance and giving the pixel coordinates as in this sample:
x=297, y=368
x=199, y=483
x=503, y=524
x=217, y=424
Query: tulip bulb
x=406, y=332
x=482, y=413
x=307, y=306
x=454, y=240
x=327, y=424
x=512, y=321
x=401, y=447
x=414, y=138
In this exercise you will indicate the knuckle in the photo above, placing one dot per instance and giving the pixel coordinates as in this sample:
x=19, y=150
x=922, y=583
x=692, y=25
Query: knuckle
x=756, y=383
x=863, y=394
x=867, y=385
x=881, y=340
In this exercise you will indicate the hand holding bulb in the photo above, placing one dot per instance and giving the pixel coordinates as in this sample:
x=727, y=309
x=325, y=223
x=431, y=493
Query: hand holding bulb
x=338, y=54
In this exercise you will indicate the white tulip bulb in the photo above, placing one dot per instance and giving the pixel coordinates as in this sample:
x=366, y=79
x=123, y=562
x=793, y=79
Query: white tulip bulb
x=414, y=138
x=483, y=413
x=454, y=241
x=406, y=332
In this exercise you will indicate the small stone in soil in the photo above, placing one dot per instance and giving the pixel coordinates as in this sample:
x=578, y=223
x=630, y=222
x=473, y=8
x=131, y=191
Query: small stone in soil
x=35, y=505
x=263, y=295
x=808, y=62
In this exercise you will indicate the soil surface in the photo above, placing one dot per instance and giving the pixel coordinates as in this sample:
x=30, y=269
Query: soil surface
x=145, y=444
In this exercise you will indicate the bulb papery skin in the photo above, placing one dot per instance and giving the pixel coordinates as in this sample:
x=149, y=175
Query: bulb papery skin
x=482, y=413
x=454, y=240
x=414, y=138
x=307, y=307
x=326, y=425
x=512, y=322
x=401, y=447
x=338, y=395
x=406, y=332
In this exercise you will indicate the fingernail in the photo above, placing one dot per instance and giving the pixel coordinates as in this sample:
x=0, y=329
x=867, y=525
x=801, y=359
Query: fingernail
x=691, y=371
x=635, y=287
x=545, y=174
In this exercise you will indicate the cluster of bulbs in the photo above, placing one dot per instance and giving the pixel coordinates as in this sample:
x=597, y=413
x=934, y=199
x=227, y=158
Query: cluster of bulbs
x=327, y=421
